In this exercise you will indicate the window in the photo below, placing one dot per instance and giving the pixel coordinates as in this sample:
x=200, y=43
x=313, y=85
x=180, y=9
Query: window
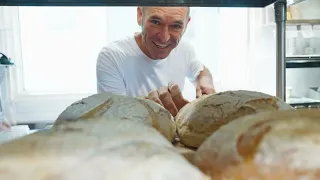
x=60, y=46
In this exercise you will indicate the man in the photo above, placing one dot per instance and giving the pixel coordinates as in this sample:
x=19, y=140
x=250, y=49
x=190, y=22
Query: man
x=155, y=62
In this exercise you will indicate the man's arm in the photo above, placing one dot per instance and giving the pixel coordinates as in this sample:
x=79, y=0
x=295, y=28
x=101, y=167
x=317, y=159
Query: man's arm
x=109, y=78
x=199, y=75
x=204, y=83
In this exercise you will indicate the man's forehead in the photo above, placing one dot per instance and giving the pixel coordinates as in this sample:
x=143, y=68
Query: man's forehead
x=168, y=11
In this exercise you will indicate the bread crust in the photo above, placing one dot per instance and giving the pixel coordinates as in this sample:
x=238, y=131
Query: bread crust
x=95, y=148
x=121, y=107
x=199, y=119
x=282, y=139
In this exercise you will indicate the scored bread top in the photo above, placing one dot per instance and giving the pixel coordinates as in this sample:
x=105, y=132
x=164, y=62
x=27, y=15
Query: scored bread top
x=249, y=170
x=106, y=149
x=289, y=137
x=200, y=118
x=121, y=107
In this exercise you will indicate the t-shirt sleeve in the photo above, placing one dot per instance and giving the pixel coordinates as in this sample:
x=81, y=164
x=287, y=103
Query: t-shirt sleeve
x=109, y=77
x=194, y=65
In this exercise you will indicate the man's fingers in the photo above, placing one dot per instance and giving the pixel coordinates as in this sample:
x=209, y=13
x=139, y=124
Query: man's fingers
x=177, y=95
x=167, y=101
x=154, y=96
x=142, y=97
x=198, y=92
x=4, y=126
x=207, y=90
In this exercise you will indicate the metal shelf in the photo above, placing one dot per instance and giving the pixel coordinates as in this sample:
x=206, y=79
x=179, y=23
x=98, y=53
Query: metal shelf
x=293, y=2
x=203, y=3
x=303, y=21
x=305, y=105
x=303, y=62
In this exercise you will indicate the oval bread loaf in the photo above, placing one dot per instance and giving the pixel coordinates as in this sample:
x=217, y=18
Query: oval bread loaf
x=281, y=140
x=201, y=117
x=121, y=107
x=249, y=171
x=99, y=149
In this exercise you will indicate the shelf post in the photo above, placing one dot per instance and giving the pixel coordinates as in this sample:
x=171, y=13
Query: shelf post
x=280, y=10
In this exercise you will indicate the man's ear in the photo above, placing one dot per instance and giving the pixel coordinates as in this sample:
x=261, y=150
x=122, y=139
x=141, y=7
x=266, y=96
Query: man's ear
x=139, y=15
x=185, y=28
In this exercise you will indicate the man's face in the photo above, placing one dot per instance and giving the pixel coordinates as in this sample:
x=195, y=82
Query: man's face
x=162, y=29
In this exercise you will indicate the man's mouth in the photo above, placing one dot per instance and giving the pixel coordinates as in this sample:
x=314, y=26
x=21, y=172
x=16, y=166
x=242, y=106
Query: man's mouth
x=161, y=46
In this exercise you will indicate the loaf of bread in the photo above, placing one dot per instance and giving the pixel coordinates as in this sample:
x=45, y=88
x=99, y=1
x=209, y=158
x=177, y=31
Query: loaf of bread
x=121, y=107
x=250, y=171
x=287, y=141
x=201, y=117
x=98, y=149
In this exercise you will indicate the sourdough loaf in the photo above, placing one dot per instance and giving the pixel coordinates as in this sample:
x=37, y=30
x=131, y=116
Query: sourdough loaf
x=201, y=117
x=281, y=140
x=96, y=148
x=188, y=154
x=249, y=171
x=121, y=107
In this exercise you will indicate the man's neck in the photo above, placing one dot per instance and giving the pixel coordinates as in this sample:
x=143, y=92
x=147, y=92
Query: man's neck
x=142, y=46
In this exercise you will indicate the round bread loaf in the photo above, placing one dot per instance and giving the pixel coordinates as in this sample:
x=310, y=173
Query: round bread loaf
x=99, y=149
x=250, y=171
x=281, y=140
x=121, y=107
x=201, y=117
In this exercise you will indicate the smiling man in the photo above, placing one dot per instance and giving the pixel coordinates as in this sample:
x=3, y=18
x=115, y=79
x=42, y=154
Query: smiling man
x=154, y=62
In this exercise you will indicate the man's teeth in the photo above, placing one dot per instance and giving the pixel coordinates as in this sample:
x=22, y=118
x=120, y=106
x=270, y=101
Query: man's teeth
x=162, y=45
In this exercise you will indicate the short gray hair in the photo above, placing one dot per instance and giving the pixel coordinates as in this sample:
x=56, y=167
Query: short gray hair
x=175, y=1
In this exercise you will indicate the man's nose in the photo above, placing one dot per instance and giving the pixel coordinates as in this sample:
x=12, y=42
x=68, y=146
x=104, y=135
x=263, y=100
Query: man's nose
x=164, y=34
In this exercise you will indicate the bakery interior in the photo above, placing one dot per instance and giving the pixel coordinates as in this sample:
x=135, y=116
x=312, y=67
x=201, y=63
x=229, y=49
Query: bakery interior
x=266, y=46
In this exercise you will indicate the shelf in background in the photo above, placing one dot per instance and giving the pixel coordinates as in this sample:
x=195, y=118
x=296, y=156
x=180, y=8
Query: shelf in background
x=313, y=56
x=293, y=2
x=6, y=65
x=303, y=21
x=305, y=105
x=303, y=62
x=303, y=102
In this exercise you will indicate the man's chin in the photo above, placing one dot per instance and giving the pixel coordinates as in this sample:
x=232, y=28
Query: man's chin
x=160, y=56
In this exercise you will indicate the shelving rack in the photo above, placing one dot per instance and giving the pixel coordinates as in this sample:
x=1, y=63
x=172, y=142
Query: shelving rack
x=303, y=21
x=280, y=7
x=303, y=62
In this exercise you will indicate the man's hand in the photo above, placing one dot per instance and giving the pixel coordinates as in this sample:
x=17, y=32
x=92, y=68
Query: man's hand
x=205, y=89
x=4, y=126
x=204, y=83
x=169, y=97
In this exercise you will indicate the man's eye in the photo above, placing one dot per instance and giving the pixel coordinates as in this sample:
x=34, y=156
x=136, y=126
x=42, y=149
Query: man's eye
x=177, y=26
x=155, y=22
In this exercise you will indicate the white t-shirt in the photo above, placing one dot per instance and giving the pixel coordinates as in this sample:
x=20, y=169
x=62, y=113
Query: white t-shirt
x=122, y=68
